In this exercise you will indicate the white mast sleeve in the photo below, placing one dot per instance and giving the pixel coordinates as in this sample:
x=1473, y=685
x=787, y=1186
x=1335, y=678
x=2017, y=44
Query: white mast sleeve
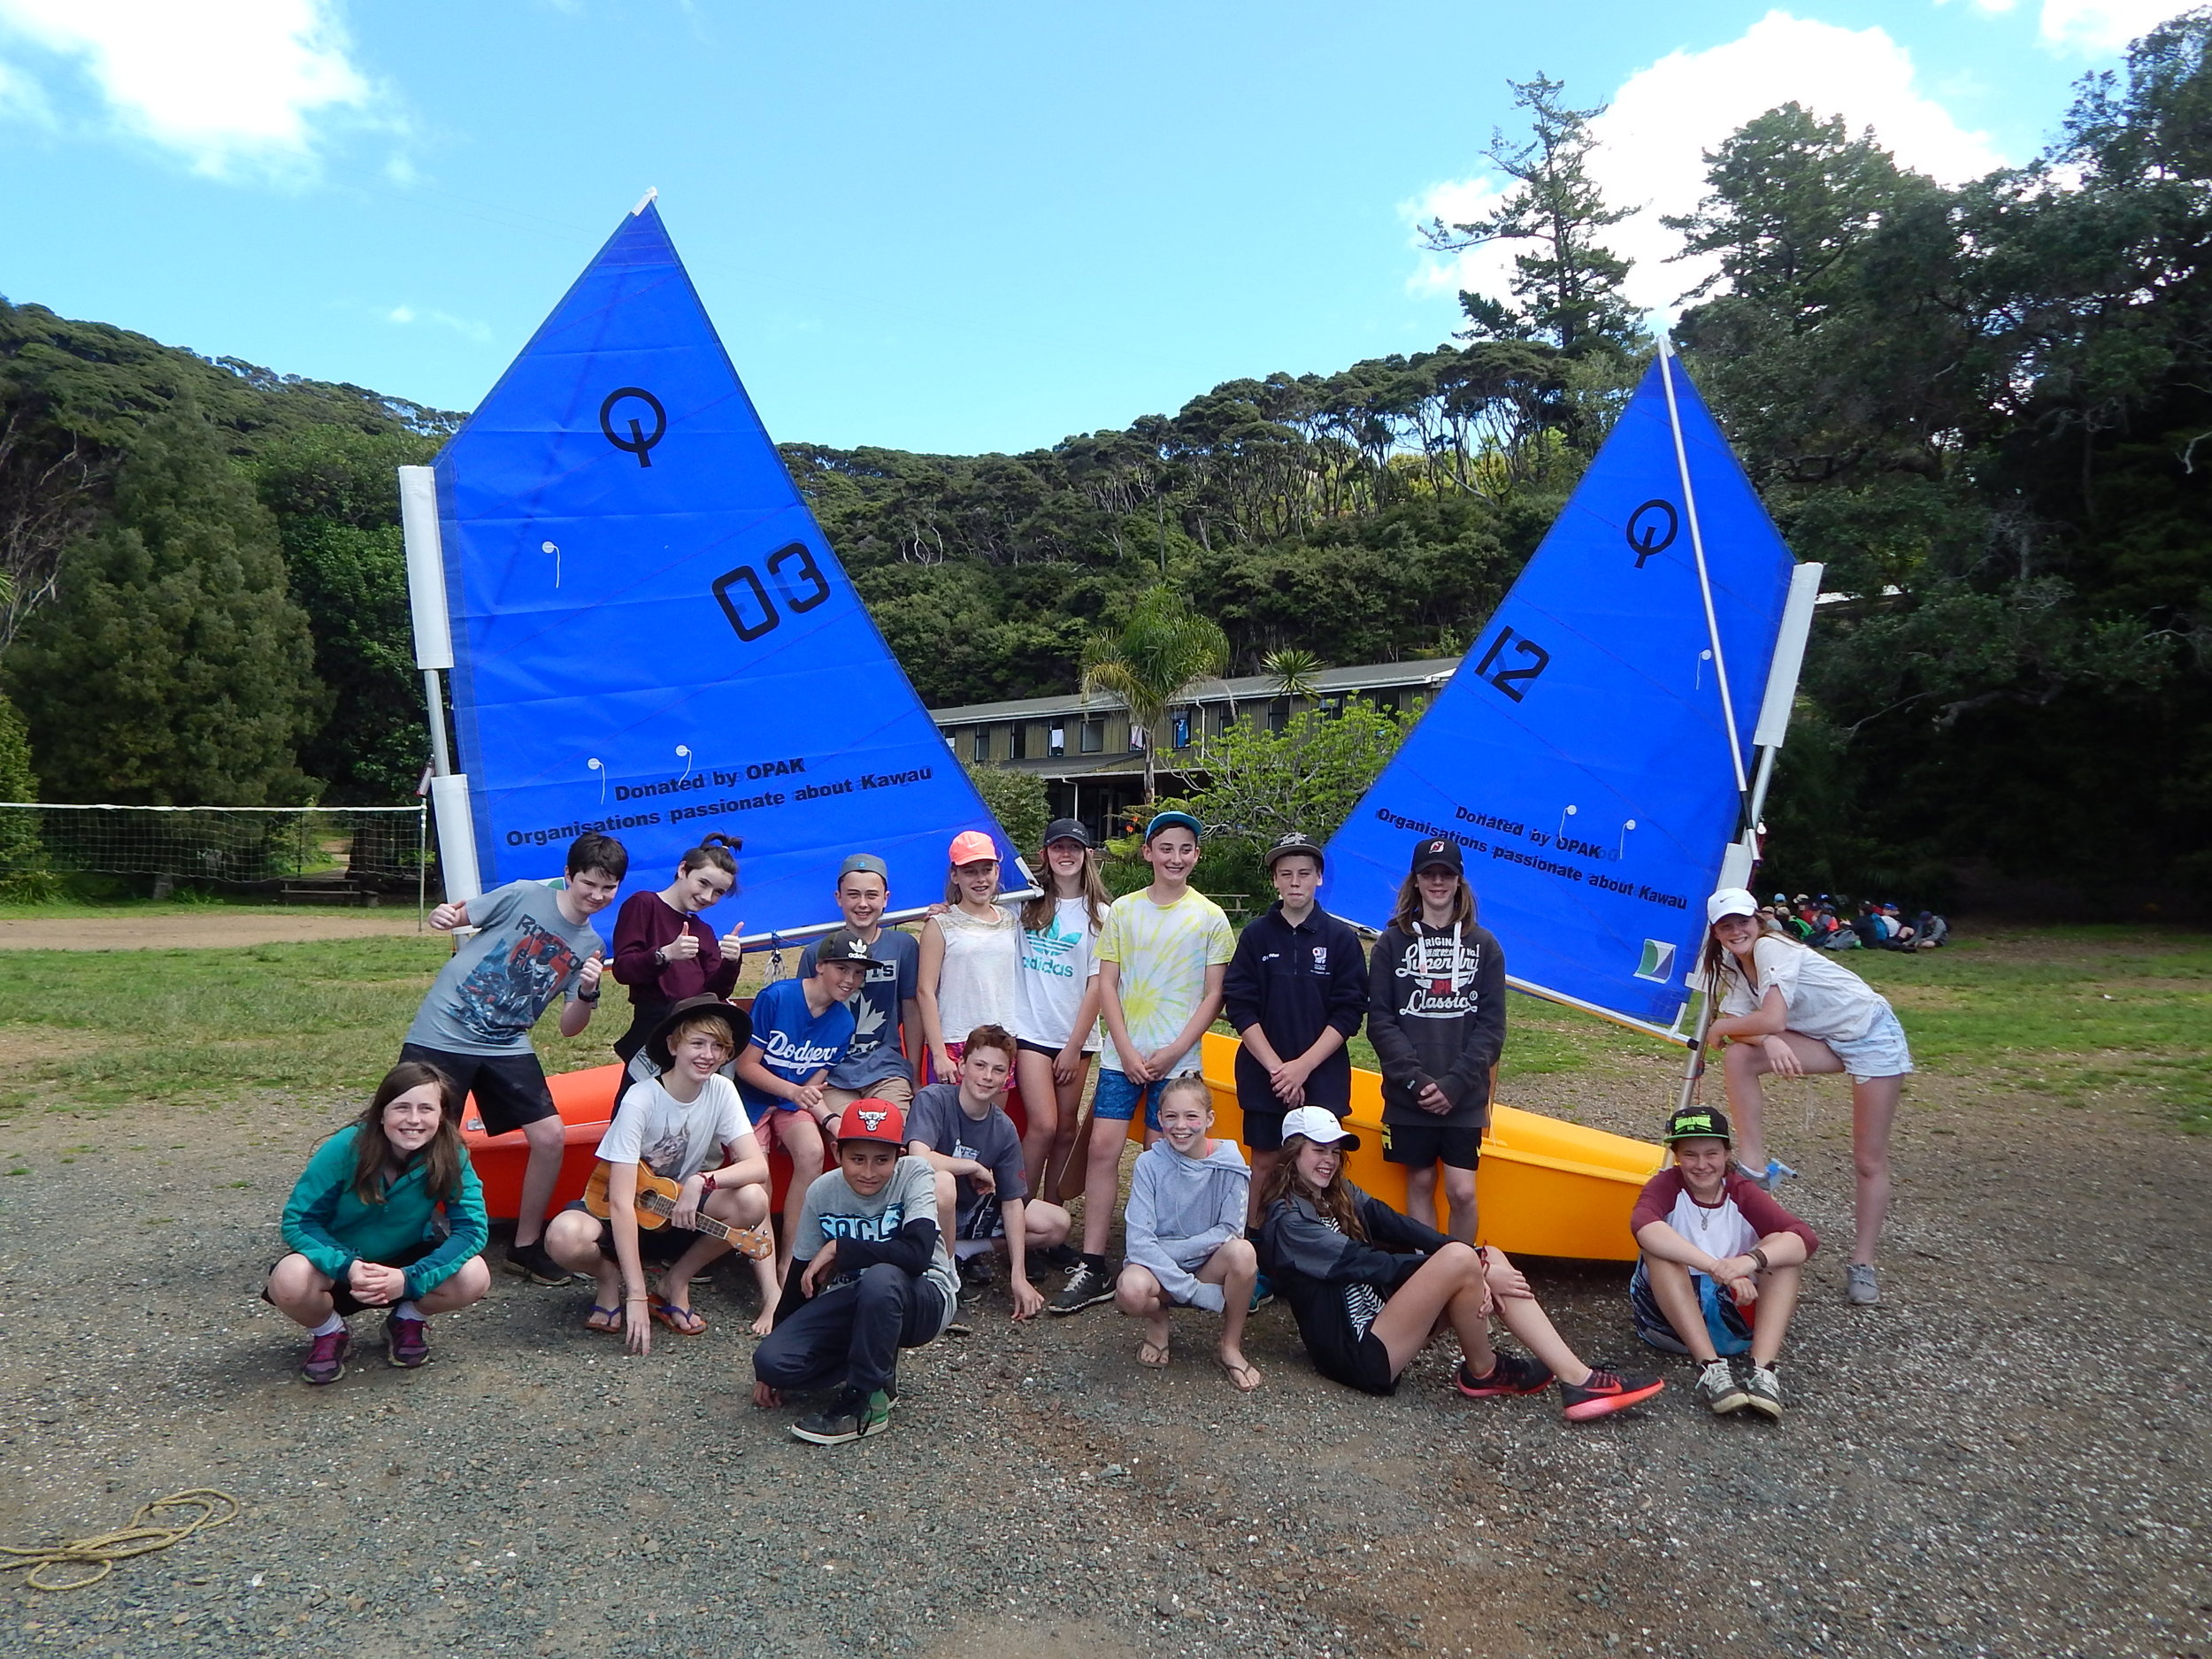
x=425, y=567
x=456, y=837
x=1789, y=658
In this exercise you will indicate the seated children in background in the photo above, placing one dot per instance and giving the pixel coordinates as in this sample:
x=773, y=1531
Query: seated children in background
x=887, y=1019
x=1436, y=1016
x=1721, y=1268
x=960, y=1129
x=1368, y=1286
x=387, y=1214
x=1296, y=992
x=677, y=1124
x=534, y=943
x=1185, y=1232
x=870, y=1275
x=800, y=1028
x=665, y=954
x=1162, y=955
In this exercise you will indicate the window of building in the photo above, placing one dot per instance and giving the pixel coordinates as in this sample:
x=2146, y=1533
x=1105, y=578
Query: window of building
x=1277, y=714
x=1018, y=742
x=1386, y=702
x=1136, y=738
x=1093, y=737
x=1056, y=741
x=1182, y=726
x=982, y=749
x=951, y=743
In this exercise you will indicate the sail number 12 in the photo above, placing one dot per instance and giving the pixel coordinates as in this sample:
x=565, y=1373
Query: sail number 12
x=746, y=600
x=1512, y=678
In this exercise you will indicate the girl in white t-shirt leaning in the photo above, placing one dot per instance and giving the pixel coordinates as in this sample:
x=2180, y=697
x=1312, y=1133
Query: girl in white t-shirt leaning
x=971, y=952
x=1056, y=1000
x=1789, y=1011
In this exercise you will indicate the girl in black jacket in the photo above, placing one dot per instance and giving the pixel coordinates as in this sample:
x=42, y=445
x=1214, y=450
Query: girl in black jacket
x=1366, y=1286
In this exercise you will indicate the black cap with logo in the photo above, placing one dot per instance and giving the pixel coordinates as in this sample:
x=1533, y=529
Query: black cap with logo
x=1294, y=842
x=1439, y=852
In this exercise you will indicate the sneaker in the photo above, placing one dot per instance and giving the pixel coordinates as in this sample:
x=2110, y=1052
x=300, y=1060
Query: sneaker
x=326, y=1361
x=850, y=1415
x=1509, y=1374
x=1263, y=1293
x=1089, y=1283
x=1054, y=1258
x=1859, y=1287
x=407, y=1341
x=1718, y=1391
x=976, y=1273
x=530, y=1262
x=1603, y=1392
x=1763, y=1391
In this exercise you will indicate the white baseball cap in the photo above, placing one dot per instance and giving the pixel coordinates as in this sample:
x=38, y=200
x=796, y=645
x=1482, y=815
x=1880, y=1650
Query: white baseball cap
x=1730, y=902
x=1319, y=1126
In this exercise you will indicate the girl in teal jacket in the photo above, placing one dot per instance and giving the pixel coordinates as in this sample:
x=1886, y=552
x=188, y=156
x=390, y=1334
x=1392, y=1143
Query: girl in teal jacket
x=387, y=1214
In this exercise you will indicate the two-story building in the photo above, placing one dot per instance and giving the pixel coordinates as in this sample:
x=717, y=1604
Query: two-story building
x=1092, y=757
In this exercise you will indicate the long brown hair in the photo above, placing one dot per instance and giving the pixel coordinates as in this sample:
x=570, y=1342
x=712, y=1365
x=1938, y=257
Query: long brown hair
x=1406, y=915
x=440, y=1159
x=1334, y=1201
x=1717, y=961
x=1037, y=913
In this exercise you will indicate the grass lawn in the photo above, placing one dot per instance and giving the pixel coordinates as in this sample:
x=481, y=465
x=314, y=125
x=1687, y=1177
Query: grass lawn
x=2075, y=1012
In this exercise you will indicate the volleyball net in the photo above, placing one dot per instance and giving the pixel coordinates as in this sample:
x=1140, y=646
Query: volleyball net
x=354, y=852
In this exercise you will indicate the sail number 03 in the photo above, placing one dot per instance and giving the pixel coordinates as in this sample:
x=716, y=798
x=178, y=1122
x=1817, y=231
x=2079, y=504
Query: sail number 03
x=1512, y=678
x=747, y=601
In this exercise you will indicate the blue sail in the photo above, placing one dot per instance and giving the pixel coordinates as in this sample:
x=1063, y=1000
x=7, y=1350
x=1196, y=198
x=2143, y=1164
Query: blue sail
x=1580, y=755
x=651, y=636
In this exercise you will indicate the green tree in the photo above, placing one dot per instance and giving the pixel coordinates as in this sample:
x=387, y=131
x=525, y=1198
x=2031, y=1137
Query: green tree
x=172, y=668
x=1156, y=656
x=1293, y=669
x=1307, y=777
x=1567, y=284
x=1018, y=801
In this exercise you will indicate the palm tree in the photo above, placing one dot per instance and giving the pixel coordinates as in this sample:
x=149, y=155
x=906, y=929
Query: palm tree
x=1292, y=670
x=1152, y=660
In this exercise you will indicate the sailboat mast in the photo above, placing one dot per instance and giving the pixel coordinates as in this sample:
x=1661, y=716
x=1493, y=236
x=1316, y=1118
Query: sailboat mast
x=1697, y=550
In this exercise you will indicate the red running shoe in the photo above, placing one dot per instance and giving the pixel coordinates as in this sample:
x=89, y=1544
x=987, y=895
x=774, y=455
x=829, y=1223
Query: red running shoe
x=407, y=1341
x=1603, y=1392
x=326, y=1361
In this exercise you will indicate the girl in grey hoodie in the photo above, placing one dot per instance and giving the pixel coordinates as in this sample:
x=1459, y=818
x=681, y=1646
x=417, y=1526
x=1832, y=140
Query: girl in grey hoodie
x=1184, y=1231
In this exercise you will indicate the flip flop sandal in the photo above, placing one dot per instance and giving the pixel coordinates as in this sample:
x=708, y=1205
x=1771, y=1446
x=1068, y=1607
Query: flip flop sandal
x=1238, y=1373
x=1165, y=1353
x=598, y=1311
x=669, y=1314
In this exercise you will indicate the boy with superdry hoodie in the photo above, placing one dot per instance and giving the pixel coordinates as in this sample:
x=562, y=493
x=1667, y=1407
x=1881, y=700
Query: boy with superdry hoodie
x=1436, y=1015
x=1185, y=1232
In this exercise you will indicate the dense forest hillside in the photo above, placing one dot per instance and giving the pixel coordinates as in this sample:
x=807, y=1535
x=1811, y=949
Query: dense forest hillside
x=1985, y=408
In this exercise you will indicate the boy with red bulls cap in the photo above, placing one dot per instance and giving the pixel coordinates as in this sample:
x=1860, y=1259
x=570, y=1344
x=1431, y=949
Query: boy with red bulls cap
x=870, y=1274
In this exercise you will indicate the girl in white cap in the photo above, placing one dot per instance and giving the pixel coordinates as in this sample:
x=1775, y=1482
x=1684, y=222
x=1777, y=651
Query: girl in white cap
x=1368, y=1286
x=1787, y=1009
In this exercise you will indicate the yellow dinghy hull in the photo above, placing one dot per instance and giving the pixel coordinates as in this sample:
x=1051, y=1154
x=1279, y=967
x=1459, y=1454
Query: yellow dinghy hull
x=1545, y=1188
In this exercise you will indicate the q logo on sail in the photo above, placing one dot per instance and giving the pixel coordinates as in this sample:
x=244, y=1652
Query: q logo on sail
x=640, y=443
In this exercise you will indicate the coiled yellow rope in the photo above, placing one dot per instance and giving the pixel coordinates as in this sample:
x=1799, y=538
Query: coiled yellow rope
x=100, y=1552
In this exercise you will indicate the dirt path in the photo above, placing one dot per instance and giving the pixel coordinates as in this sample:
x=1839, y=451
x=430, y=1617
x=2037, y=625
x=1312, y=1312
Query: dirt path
x=173, y=930
x=2005, y=1457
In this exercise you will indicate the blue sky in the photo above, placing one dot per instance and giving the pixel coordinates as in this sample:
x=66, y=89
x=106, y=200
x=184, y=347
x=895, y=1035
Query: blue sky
x=941, y=227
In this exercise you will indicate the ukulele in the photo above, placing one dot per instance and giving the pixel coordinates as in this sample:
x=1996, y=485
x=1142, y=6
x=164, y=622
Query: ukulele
x=656, y=1203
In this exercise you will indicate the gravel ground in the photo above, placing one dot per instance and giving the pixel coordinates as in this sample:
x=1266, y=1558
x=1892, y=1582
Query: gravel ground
x=2002, y=1459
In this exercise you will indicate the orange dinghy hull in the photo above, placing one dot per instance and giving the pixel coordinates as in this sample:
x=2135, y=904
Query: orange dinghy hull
x=1546, y=1187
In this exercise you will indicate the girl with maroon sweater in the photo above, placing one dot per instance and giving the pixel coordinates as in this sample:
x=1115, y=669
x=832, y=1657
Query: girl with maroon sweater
x=664, y=953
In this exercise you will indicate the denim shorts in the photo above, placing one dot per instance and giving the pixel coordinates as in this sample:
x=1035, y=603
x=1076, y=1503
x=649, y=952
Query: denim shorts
x=1116, y=1097
x=1881, y=1052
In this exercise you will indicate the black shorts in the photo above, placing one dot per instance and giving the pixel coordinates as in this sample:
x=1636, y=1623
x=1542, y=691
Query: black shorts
x=341, y=1299
x=657, y=1247
x=1366, y=1366
x=1424, y=1146
x=1263, y=1123
x=510, y=1088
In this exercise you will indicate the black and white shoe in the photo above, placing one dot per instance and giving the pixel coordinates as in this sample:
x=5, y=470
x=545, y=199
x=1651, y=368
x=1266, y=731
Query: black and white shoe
x=1089, y=1283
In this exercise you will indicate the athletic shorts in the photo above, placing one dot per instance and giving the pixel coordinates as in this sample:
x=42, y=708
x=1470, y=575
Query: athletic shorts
x=510, y=1088
x=341, y=1299
x=1364, y=1366
x=1726, y=1325
x=657, y=1246
x=1880, y=1053
x=1116, y=1098
x=1424, y=1146
x=898, y=1090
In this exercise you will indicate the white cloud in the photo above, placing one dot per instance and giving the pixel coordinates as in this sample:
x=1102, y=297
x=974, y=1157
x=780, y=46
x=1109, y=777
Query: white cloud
x=406, y=314
x=231, y=85
x=1654, y=135
x=2099, y=27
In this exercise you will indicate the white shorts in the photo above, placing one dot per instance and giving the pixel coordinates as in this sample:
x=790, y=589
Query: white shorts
x=1881, y=1052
